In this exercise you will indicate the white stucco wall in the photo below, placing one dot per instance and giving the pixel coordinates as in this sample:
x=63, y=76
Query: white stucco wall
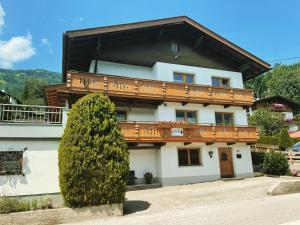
x=143, y=161
x=167, y=112
x=209, y=169
x=164, y=72
x=173, y=174
x=141, y=114
x=243, y=166
x=40, y=166
x=119, y=69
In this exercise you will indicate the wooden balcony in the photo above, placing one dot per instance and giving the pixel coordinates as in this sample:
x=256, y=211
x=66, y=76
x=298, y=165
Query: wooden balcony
x=126, y=87
x=173, y=132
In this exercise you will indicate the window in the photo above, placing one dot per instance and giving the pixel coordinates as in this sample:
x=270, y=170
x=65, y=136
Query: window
x=11, y=162
x=189, y=157
x=121, y=115
x=184, y=78
x=188, y=116
x=224, y=118
x=220, y=82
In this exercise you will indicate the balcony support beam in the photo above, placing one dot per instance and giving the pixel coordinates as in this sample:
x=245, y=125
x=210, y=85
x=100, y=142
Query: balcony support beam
x=209, y=143
x=231, y=143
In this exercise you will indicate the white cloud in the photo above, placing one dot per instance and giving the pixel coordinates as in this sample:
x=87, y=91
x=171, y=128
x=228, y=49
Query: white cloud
x=45, y=41
x=2, y=14
x=15, y=50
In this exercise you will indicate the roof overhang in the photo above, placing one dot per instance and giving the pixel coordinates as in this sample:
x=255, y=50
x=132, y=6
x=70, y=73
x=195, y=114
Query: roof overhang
x=80, y=46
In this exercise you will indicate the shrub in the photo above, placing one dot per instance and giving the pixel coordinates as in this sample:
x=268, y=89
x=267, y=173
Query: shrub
x=275, y=163
x=34, y=204
x=93, y=156
x=285, y=140
x=269, y=140
x=13, y=204
x=46, y=203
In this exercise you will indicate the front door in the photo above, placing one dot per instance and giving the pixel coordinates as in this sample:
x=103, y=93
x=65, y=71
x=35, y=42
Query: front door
x=226, y=165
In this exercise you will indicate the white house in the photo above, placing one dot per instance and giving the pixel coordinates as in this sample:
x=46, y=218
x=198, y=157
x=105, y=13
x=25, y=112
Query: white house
x=179, y=94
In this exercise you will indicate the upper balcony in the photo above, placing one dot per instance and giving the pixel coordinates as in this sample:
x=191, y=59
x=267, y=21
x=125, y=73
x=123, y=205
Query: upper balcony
x=81, y=83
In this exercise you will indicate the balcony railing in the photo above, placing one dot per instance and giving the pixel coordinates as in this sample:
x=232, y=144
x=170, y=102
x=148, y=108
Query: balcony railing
x=172, y=132
x=135, y=131
x=30, y=114
x=154, y=89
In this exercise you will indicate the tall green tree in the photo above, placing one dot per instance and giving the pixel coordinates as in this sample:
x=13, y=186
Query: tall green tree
x=33, y=91
x=269, y=122
x=285, y=141
x=93, y=157
x=282, y=80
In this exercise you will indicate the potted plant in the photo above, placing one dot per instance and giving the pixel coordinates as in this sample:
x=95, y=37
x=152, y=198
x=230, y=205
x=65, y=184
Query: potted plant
x=148, y=177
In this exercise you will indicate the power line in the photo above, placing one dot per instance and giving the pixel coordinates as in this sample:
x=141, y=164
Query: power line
x=276, y=60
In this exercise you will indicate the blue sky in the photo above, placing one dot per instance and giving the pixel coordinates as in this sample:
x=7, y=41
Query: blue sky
x=31, y=30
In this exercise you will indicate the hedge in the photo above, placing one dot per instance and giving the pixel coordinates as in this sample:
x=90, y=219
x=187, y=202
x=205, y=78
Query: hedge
x=275, y=163
x=93, y=156
x=270, y=140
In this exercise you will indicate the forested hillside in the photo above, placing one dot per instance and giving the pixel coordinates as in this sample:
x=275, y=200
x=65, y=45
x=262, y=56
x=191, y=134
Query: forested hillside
x=26, y=85
x=281, y=80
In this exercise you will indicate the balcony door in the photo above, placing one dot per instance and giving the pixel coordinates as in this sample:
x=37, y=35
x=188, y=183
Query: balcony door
x=226, y=164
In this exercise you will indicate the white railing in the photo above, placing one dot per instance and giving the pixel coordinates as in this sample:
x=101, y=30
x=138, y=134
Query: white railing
x=30, y=114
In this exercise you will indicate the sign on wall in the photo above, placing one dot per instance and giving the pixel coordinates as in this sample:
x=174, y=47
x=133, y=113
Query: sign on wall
x=177, y=132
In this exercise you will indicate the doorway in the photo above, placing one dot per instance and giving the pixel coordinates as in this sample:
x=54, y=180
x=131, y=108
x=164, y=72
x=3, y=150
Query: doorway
x=226, y=164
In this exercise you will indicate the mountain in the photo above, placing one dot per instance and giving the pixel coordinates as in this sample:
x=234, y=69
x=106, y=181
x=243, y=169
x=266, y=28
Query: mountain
x=26, y=85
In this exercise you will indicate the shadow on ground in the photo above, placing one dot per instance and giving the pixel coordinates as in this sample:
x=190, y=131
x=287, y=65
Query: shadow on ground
x=132, y=206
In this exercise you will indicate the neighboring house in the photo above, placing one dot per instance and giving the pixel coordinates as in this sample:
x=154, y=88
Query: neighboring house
x=7, y=98
x=180, y=99
x=280, y=104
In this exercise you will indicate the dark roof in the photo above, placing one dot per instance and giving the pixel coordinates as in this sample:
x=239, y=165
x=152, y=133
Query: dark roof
x=79, y=46
x=278, y=99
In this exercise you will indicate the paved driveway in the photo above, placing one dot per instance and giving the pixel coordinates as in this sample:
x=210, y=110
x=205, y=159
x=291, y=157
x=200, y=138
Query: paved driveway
x=228, y=203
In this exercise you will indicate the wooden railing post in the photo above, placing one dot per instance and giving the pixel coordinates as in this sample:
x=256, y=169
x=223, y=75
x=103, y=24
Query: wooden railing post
x=186, y=90
x=69, y=81
x=136, y=130
x=236, y=133
x=213, y=132
x=163, y=89
x=232, y=95
x=136, y=87
x=210, y=93
x=105, y=84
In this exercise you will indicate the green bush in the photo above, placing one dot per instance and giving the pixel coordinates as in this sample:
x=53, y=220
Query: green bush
x=269, y=140
x=275, y=163
x=13, y=204
x=285, y=141
x=93, y=156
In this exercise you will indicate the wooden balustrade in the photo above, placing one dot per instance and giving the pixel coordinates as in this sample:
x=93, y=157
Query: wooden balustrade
x=174, y=132
x=153, y=89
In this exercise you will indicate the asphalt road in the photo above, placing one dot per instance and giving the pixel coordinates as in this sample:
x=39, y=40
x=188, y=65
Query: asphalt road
x=221, y=203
